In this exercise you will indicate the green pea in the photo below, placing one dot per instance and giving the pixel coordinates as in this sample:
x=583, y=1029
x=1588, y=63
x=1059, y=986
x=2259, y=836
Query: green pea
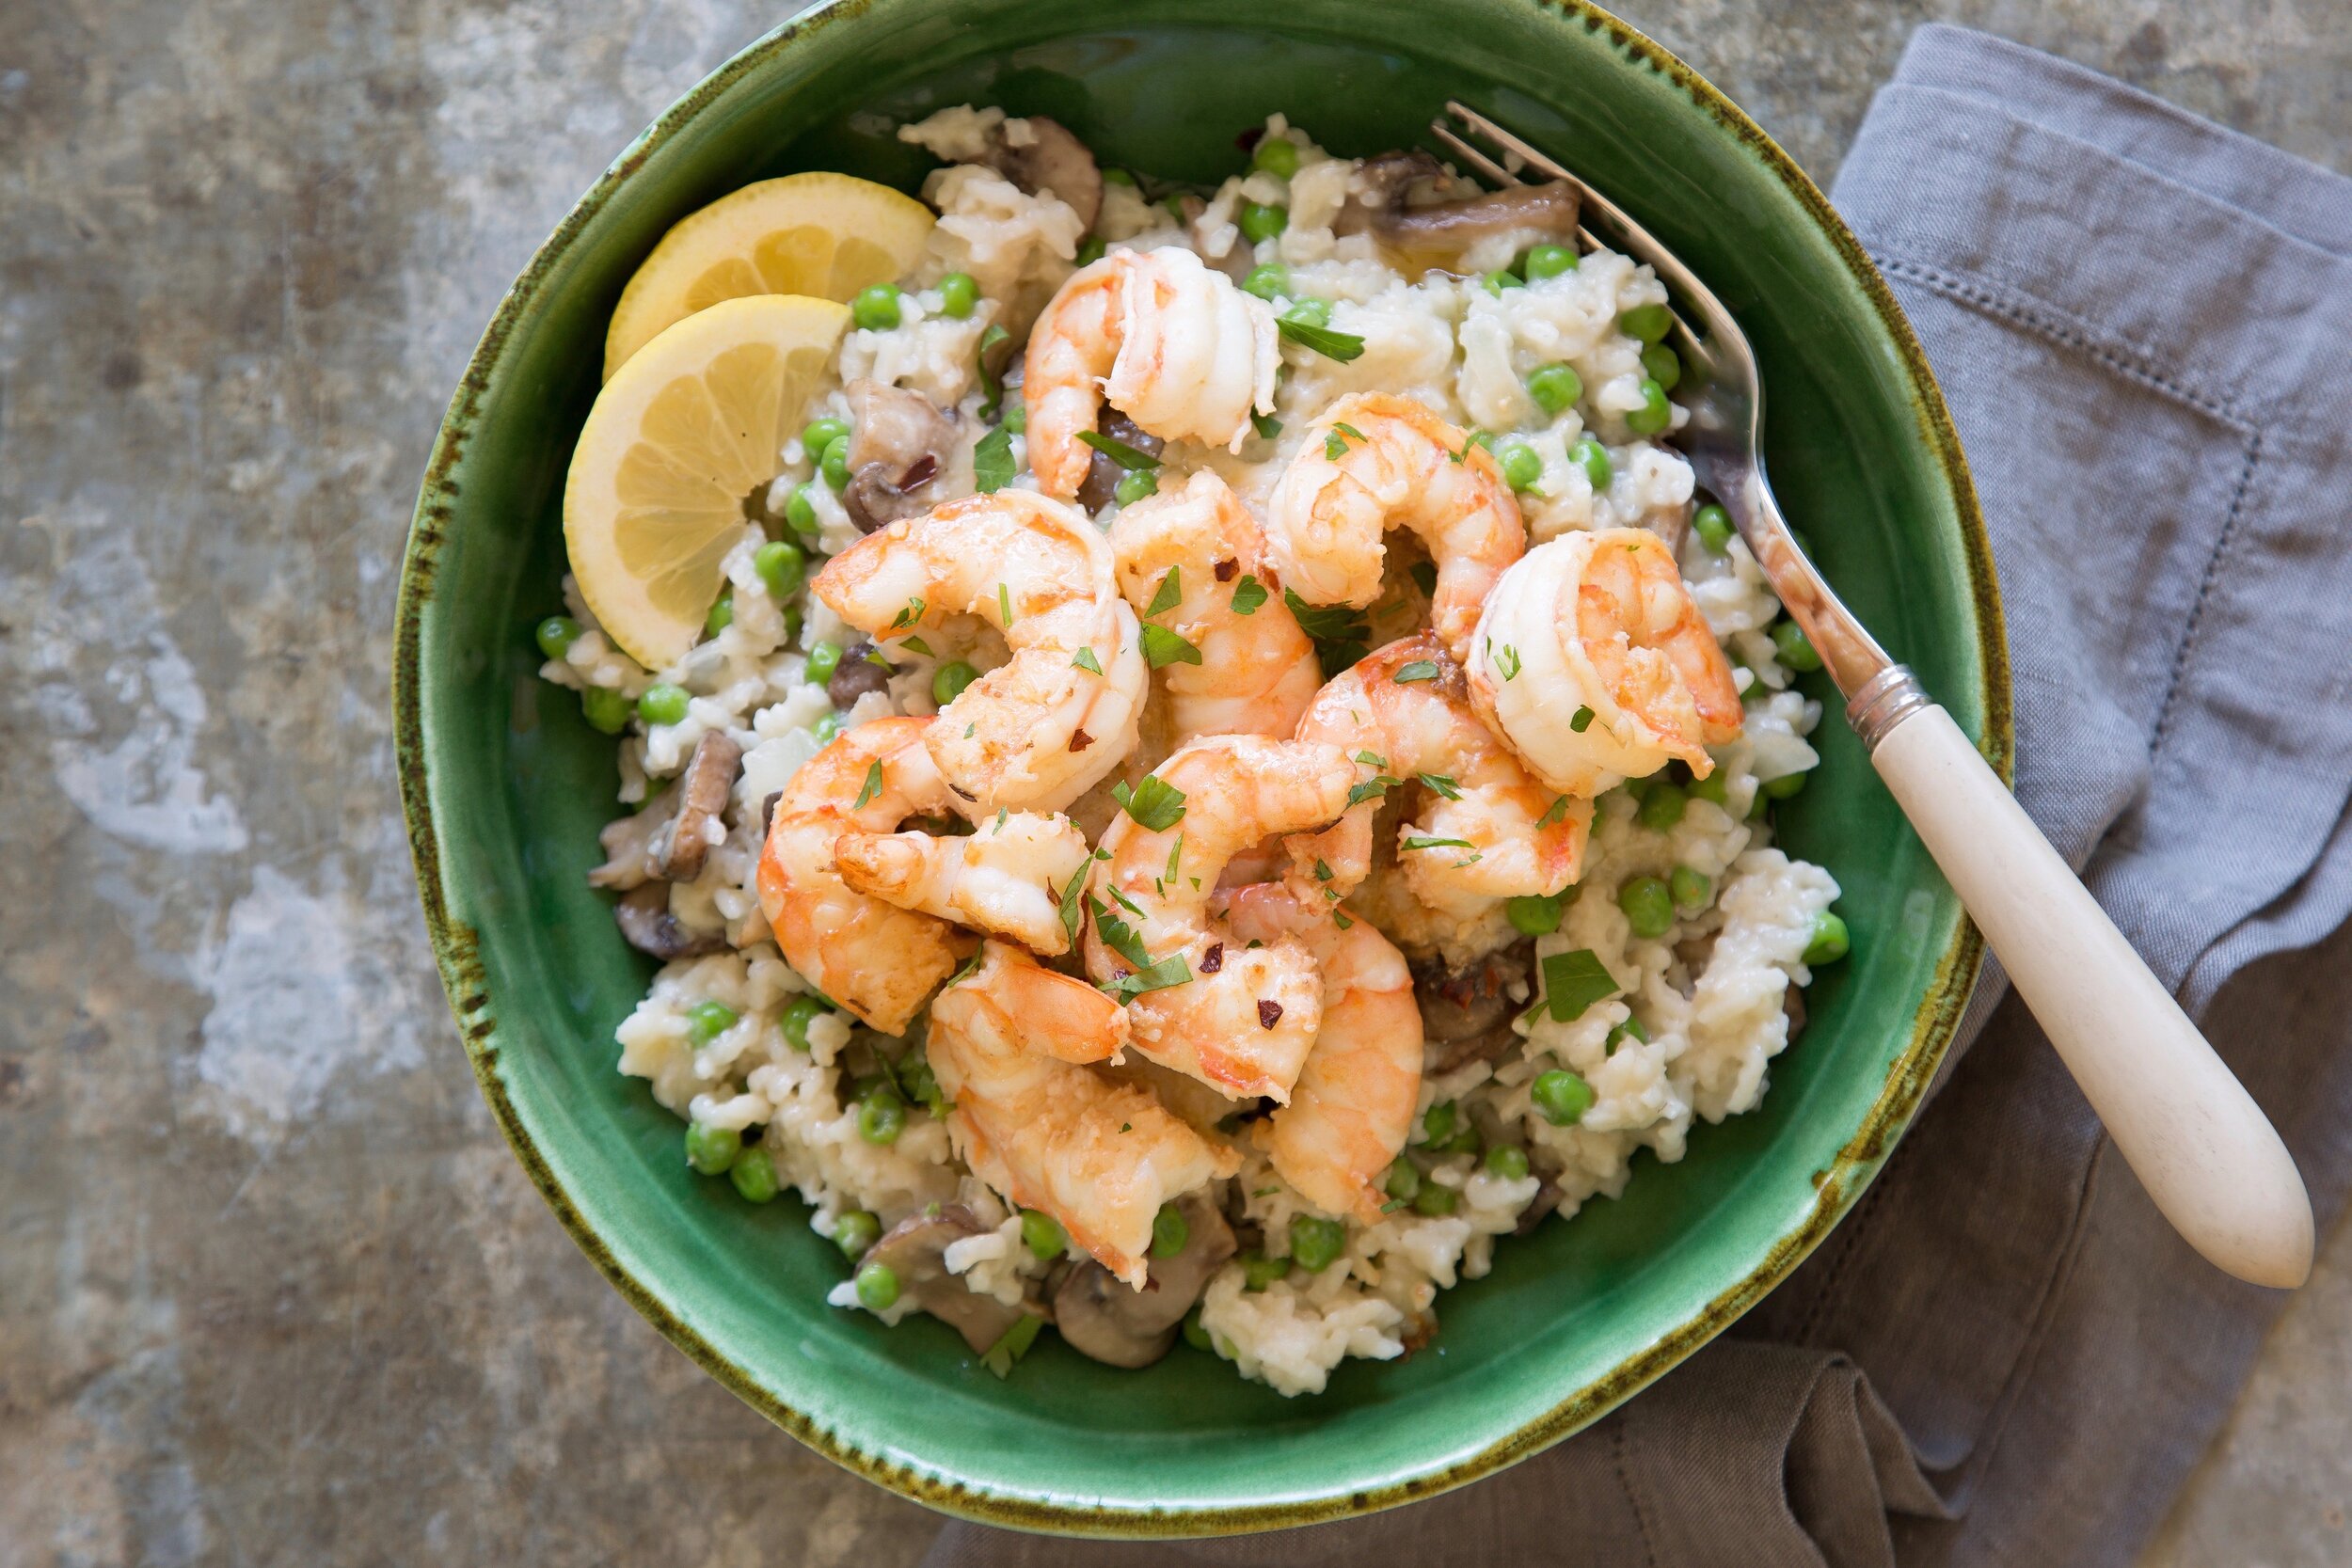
x=1648, y=323
x=722, y=615
x=1174, y=204
x=1434, y=1201
x=878, y=1287
x=782, y=565
x=1042, y=1234
x=1268, y=281
x=1169, y=1231
x=1663, y=364
x=802, y=1011
x=855, y=1231
x=1258, y=1270
x=1631, y=1028
x=1654, y=415
x=1404, y=1182
x=826, y=730
x=1017, y=418
x=875, y=307
x=1793, y=648
x=1712, y=524
x=1261, y=221
x=1195, y=1335
x=1831, y=940
x=1555, y=388
x=882, y=1116
x=1522, y=468
x=1547, y=260
x=1437, y=1122
x=800, y=513
x=1593, y=458
x=1119, y=176
x=958, y=293
x=1788, y=786
x=1133, y=486
x=1315, y=1242
x=1310, y=311
x=1479, y=438
x=1560, y=1096
x=604, y=709
x=1276, y=155
x=824, y=659
x=818, y=435
x=1465, y=1142
x=835, y=464
x=1691, y=890
x=1090, y=253
x=1649, y=906
x=1536, y=914
x=707, y=1020
x=1715, y=788
x=663, y=704
x=1507, y=1160
x=1498, y=281
x=556, y=635
x=1662, y=808
x=949, y=679
x=753, y=1174
x=712, y=1150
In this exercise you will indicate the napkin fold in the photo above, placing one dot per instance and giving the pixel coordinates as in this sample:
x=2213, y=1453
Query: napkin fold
x=2141, y=321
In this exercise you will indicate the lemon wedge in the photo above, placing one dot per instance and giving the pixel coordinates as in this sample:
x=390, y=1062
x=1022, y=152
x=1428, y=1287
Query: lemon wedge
x=824, y=235
x=692, y=425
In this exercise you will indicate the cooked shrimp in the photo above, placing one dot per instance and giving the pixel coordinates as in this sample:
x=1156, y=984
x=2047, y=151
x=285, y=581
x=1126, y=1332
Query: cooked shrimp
x=1489, y=832
x=1595, y=664
x=1372, y=462
x=1256, y=672
x=1038, y=732
x=877, y=960
x=1100, y=1157
x=1242, y=1017
x=1352, y=1108
x=1174, y=345
x=1007, y=877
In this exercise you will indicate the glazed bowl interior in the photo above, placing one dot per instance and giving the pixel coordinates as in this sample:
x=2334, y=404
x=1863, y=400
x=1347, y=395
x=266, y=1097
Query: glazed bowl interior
x=507, y=787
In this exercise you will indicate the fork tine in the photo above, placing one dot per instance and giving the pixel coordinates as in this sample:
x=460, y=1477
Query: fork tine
x=1535, y=159
x=1473, y=156
x=1628, y=236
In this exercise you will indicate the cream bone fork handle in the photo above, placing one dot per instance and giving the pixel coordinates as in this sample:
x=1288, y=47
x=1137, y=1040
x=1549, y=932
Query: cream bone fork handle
x=2194, y=1137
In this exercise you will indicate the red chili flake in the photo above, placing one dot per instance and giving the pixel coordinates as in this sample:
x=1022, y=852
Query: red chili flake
x=1225, y=570
x=1214, y=960
x=1269, y=1013
x=919, y=473
x=1080, y=740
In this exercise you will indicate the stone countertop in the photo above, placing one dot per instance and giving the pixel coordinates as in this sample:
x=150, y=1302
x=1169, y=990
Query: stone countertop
x=271, y=1290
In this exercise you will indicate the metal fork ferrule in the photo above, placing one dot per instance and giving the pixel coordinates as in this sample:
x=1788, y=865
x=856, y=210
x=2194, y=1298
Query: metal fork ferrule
x=1886, y=699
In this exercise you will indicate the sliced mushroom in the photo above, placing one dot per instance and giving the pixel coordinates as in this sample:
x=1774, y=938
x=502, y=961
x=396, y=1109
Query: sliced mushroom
x=1103, y=474
x=1105, y=1320
x=916, y=1250
x=1546, y=1199
x=1466, y=1012
x=646, y=920
x=898, y=446
x=856, y=675
x=702, y=795
x=632, y=845
x=1792, y=1003
x=1042, y=157
x=1440, y=233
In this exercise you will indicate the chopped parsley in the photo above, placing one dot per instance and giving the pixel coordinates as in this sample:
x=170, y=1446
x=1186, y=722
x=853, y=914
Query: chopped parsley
x=1583, y=720
x=873, y=784
x=1155, y=803
x=1130, y=458
x=1419, y=669
x=1086, y=661
x=1249, y=593
x=1343, y=346
x=992, y=461
x=1442, y=785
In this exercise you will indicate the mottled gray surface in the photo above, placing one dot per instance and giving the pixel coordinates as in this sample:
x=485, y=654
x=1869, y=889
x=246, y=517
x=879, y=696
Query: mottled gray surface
x=271, y=1290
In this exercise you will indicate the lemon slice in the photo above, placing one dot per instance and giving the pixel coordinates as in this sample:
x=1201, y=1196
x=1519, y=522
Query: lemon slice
x=825, y=235
x=676, y=442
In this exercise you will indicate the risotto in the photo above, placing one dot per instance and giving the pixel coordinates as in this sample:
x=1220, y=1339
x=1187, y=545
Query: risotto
x=1269, y=666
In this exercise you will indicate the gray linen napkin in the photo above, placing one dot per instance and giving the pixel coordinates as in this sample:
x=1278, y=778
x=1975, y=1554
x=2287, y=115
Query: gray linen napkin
x=2005, y=1357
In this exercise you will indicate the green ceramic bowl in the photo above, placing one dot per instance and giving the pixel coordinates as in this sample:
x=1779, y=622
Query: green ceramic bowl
x=505, y=786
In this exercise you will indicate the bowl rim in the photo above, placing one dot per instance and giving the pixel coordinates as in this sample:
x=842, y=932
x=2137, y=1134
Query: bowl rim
x=467, y=984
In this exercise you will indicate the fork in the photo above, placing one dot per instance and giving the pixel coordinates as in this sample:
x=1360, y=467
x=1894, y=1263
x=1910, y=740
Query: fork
x=2196, y=1139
